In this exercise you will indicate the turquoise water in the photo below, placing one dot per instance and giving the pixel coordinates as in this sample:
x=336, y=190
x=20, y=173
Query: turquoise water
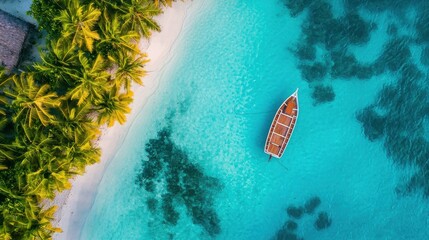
x=195, y=168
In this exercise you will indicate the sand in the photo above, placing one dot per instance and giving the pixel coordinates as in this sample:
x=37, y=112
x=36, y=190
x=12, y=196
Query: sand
x=75, y=204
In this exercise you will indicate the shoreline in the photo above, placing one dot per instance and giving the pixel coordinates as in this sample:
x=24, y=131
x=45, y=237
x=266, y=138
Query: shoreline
x=75, y=204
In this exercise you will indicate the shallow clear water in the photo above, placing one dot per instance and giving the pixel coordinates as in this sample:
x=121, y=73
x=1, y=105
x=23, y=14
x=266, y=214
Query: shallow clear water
x=237, y=64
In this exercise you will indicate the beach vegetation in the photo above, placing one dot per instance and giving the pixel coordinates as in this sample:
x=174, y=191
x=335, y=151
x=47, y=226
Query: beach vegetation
x=51, y=114
x=115, y=38
x=138, y=16
x=113, y=106
x=78, y=22
x=129, y=70
x=164, y=2
x=30, y=102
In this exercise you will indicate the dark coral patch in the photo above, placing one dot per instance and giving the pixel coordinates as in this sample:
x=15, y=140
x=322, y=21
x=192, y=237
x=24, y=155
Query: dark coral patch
x=403, y=107
x=345, y=65
x=397, y=6
x=333, y=35
x=295, y=212
x=152, y=204
x=323, y=94
x=424, y=57
x=285, y=235
x=396, y=53
x=185, y=183
x=323, y=221
x=356, y=29
x=171, y=216
x=373, y=124
x=305, y=51
x=418, y=182
x=392, y=30
x=311, y=204
x=320, y=25
x=287, y=232
x=290, y=225
x=296, y=7
x=422, y=27
x=320, y=19
x=313, y=72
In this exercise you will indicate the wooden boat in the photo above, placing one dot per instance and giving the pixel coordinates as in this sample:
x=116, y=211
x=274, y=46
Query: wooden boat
x=282, y=127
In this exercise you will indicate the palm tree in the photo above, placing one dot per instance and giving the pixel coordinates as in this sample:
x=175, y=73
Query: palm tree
x=43, y=183
x=13, y=216
x=129, y=69
x=24, y=219
x=3, y=74
x=163, y=2
x=113, y=107
x=7, y=151
x=78, y=23
x=58, y=62
x=115, y=38
x=30, y=101
x=40, y=226
x=3, y=100
x=78, y=153
x=34, y=144
x=73, y=119
x=48, y=164
x=138, y=16
x=91, y=81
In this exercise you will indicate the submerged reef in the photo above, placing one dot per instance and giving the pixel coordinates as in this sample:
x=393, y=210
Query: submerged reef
x=392, y=30
x=289, y=228
x=422, y=26
x=172, y=179
x=397, y=118
x=296, y=6
x=321, y=27
x=396, y=53
x=399, y=113
x=290, y=225
x=313, y=72
x=287, y=232
x=305, y=51
x=323, y=94
x=345, y=66
x=424, y=57
x=373, y=123
x=399, y=7
x=333, y=35
x=355, y=29
x=286, y=235
x=323, y=221
x=295, y=212
x=311, y=204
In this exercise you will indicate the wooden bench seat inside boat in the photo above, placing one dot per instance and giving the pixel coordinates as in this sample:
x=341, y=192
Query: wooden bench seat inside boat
x=280, y=129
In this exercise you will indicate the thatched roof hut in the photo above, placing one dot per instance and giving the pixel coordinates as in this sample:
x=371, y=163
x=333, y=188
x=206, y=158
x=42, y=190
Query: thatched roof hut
x=13, y=33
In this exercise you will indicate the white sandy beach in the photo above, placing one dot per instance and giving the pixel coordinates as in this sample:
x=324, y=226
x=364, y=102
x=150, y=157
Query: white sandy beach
x=75, y=204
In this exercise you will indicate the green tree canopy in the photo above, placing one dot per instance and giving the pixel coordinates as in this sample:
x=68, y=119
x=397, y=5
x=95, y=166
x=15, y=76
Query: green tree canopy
x=138, y=16
x=30, y=101
x=129, y=69
x=78, y=23
x=113, y=106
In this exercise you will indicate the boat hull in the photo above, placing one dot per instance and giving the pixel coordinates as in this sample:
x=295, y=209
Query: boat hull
x=282, y=127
